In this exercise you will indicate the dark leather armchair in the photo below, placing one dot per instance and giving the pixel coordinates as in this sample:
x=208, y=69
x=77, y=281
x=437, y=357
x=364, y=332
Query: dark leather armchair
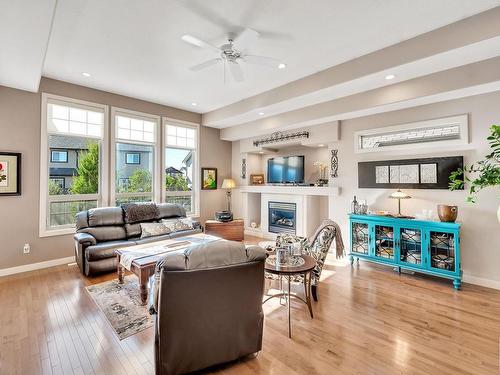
x=208, y=306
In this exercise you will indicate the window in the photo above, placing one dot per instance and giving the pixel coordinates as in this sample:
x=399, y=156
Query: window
x=73, y=133
x=58, y=156
x=435, y=133
x=181, y=164
x=134, y=160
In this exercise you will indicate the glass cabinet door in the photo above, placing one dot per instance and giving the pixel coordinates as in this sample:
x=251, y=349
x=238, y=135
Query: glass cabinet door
x=360, y=238
x=384, y=241
x=442, y=250
x=410, y=246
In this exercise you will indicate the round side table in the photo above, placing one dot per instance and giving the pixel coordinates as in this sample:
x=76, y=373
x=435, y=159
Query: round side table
x=288, y=272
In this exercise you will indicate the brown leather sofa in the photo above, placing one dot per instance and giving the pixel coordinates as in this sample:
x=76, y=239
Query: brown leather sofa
x=100, y=231
x=207, y=301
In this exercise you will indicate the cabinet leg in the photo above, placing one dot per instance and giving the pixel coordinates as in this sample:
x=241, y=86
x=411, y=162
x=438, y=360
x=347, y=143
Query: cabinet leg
x=457, y=283
x=351, y=258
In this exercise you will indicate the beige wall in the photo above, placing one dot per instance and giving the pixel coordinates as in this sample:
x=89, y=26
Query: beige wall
x=480, y=239
x=20, y=132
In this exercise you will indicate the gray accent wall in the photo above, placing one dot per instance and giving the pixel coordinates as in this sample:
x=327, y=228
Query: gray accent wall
x=20, y=121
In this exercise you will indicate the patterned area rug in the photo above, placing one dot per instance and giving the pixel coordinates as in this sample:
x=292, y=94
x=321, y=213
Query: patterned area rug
x=121, y=304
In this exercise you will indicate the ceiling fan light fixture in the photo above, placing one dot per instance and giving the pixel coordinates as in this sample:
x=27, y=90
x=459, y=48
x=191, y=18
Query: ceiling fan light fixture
x=281, y=66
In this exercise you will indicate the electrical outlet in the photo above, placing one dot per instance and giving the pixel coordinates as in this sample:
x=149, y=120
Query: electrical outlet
x=26, y=248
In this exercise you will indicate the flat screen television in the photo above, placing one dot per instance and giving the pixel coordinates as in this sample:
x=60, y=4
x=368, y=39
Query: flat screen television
x=286, y=169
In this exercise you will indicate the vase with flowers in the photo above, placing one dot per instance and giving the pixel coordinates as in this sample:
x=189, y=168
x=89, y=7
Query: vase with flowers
x=322, y=167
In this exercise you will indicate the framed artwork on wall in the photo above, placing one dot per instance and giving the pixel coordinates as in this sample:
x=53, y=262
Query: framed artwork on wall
x=10, y=173
x=209, y=178
x=427, y=173
x=256, y=179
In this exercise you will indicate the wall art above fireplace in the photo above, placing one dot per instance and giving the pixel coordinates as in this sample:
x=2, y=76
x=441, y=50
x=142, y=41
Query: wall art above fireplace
x=428, y=173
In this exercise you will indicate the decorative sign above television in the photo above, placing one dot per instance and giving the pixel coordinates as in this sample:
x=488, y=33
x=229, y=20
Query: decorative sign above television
x=428, y=173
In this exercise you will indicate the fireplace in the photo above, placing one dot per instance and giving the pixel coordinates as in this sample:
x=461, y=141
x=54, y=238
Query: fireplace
x=282, y=217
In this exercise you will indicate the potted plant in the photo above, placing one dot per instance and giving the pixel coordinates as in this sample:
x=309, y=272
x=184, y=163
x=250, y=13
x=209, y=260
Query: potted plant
x=484, y=173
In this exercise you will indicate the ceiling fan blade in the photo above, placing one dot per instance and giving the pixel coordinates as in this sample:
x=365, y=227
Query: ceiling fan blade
x=205, y=64
x=194, y=41
x=262, y=60
x=246, y=38
x=236, y=71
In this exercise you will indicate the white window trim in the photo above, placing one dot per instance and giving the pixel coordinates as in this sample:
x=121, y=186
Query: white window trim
x=196, y=192
x=461, y=120
x=101, y=197
x=156, y=194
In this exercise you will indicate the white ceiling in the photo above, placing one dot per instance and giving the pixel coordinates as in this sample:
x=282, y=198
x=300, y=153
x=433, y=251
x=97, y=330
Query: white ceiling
x=134, y=48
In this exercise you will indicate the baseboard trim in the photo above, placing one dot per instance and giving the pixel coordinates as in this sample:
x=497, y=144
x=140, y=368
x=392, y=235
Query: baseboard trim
x=36, y=266
x=488, y=283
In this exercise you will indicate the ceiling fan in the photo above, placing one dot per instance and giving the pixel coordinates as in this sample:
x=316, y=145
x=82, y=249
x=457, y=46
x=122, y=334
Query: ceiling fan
x=232, y=53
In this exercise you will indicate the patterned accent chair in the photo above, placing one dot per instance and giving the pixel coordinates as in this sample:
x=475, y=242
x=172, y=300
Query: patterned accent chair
x=317, y=247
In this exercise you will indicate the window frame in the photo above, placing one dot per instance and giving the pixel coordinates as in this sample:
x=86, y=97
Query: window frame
x=45, y=230
x=420, y=147
x=116, y=111
x=196, y=190
x=59, y=150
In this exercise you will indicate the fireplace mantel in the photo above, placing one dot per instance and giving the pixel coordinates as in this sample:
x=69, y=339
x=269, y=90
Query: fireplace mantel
x=294, y=190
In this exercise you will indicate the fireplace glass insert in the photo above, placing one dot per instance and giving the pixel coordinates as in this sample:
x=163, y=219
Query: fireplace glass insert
x=282, y=217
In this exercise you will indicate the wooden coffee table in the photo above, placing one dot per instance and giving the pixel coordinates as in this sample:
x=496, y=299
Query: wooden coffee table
x=287, y=272
x=144, y=265
x=143, y=268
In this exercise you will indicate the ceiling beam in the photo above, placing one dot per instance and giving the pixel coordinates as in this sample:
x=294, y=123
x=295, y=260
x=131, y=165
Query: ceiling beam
x=476, y=29
x=466, y=80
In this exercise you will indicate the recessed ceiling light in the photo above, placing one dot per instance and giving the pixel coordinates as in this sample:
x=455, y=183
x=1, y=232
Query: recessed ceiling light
x=194, y=104
x=261, y=113
x=321, y=145
x=390, y=76
x=85, y=74
x=281, y=66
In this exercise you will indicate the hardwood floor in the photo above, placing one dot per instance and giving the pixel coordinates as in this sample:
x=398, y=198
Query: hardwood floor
x=369, y=320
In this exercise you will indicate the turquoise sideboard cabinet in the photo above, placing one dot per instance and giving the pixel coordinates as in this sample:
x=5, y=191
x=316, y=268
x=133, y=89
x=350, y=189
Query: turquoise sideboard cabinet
x=422, y=246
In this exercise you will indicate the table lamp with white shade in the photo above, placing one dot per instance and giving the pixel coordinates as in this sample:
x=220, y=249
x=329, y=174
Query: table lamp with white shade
x=399, y=195
x=228, y=184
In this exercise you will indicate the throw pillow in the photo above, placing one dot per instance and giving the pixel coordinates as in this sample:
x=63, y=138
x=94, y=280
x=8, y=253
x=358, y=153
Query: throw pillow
x=153, y=229
x=176, y=225
x=135, y=213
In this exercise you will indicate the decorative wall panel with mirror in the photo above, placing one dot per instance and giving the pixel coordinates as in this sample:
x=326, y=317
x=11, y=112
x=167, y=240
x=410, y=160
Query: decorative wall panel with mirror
x=427, y=173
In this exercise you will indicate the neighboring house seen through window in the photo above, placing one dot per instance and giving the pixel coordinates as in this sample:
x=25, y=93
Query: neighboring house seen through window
x=73, y=134
x=180, y=164
x=134, y=156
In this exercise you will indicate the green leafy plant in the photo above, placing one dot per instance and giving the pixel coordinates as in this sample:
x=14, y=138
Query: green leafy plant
x=87, y=179
x=176, y=183
x=140, y=181
x=485, y=173
x=55, y=189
